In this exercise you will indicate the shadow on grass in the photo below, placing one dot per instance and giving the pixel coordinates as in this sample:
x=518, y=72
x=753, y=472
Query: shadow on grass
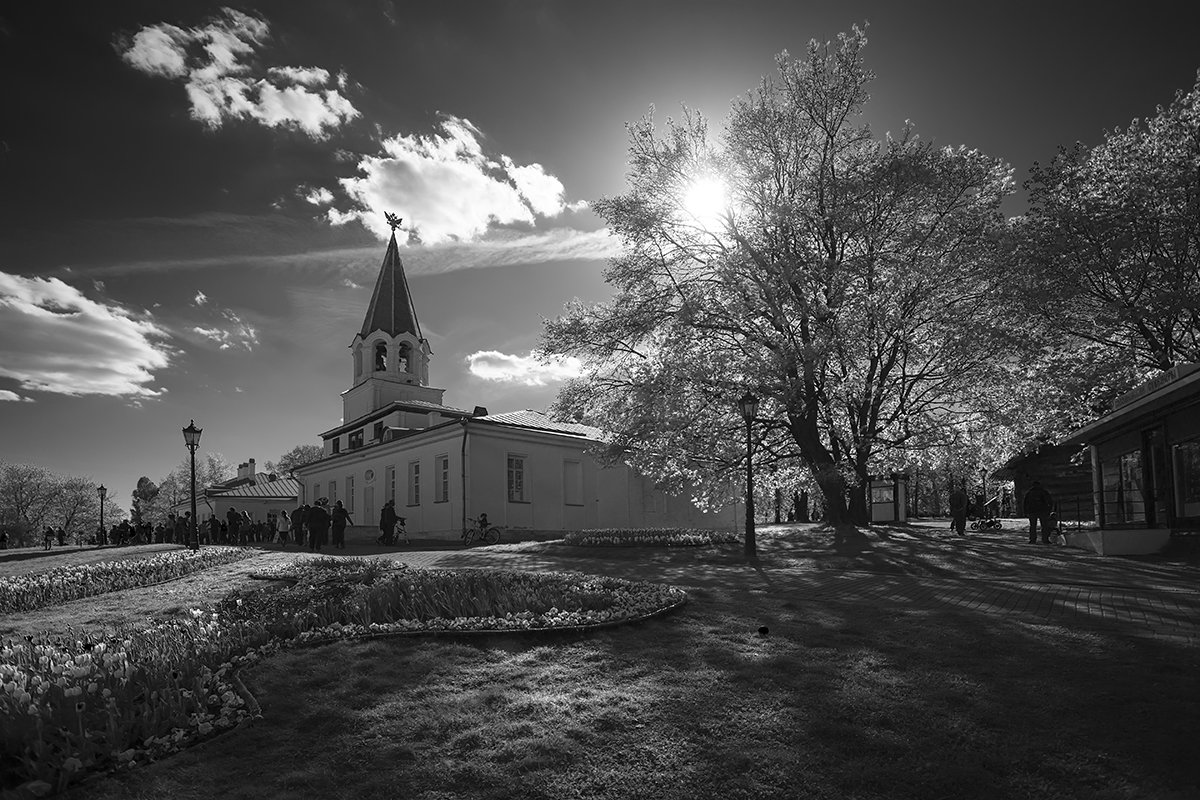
x=837, y=701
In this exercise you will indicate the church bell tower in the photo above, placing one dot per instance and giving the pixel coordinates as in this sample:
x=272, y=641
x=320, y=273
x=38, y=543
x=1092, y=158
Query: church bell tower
x=391, y=357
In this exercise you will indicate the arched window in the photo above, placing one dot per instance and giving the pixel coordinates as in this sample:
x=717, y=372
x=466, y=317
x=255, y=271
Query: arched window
x=357, y=361
x=405, y=354
x=380, y=356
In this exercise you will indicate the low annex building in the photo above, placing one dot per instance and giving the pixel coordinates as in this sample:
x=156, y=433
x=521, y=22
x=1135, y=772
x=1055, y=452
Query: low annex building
x=443, y=465
x=1145, y=459
x=264, y=496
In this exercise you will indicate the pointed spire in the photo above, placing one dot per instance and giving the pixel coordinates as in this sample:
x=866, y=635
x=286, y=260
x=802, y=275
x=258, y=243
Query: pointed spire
x=391, y=309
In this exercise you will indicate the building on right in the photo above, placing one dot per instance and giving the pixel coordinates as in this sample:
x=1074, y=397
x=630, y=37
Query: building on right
x=1145, y=458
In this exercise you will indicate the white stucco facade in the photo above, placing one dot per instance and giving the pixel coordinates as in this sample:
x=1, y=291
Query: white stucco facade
x=444, y=465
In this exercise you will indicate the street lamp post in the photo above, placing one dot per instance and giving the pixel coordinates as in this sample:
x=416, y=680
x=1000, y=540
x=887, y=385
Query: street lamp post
x=983, y=489
x=748, y=405
x=103, y=493
x=191, y=437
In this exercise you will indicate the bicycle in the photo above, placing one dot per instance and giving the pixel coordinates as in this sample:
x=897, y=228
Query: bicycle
x=474, y=534
x=987, y=524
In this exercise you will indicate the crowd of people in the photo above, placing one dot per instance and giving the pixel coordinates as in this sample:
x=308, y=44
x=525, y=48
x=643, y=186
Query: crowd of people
x=317, y=526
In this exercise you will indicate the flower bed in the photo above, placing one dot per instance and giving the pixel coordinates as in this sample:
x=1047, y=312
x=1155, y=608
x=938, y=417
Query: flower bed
x=71, y=706
x=63, y=584
x=649, y=537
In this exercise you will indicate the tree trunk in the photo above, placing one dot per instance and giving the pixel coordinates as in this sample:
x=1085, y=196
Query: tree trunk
x=833, y=492
x=802, y=506
x=858, y=505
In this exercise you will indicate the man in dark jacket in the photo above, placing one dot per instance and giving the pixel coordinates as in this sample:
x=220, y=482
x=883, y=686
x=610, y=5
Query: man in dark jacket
x=297, y=520
x=341, y=518
x=958, y=511
x=387, y=523
x=318, y=525
x=1038, y=505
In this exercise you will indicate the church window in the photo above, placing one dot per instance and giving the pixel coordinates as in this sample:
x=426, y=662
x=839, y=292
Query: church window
x=442, y=488
x=357, y=361
x=349, y=501
x=516, y=479
x=414, y=483
x=337, y=445
x=380, y=356
x=404, y=355
x=391, y=482
x=356, y=440
x=332, y=492
x=377, y=432
x=573, y=483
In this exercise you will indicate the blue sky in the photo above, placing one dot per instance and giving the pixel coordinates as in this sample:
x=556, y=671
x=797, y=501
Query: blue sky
x=194, y=193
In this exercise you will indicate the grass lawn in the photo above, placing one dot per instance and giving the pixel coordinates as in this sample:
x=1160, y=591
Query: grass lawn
x=840, y=700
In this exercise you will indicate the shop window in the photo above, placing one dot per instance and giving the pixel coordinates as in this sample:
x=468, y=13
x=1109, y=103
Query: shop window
x=1124, y=499
x=1187, y=478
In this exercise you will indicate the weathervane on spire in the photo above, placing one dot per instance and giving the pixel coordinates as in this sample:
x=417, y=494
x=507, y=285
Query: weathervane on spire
x=392, y=220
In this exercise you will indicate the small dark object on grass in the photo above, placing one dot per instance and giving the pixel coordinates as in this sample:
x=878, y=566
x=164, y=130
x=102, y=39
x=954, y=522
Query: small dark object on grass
x=763, y=630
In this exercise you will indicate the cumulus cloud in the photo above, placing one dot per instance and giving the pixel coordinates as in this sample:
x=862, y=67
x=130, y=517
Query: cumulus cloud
x=319, y=196
x=447, y=187
x=534, y=369
x=200, y=299
x=57, y=340
x=232, y=332
x=9, y=396
x=211, y=63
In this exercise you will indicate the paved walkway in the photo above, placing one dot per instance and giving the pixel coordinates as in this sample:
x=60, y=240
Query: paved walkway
x=1166, y=609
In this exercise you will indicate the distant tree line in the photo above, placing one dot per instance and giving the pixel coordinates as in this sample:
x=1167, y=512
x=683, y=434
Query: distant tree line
x=33, y=498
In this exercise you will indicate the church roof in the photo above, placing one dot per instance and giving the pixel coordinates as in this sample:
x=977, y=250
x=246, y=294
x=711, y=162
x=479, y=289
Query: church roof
x=391, y=309
x=540, y=421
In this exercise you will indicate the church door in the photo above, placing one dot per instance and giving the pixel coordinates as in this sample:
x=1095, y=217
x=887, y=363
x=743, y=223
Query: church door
x=369, y=516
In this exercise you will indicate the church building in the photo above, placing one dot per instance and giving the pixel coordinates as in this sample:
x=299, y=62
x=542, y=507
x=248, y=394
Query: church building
x=443, y=465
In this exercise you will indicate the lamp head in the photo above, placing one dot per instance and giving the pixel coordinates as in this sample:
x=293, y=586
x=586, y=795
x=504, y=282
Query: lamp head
x=191, y=435
x=100, y=490
x=748, y=405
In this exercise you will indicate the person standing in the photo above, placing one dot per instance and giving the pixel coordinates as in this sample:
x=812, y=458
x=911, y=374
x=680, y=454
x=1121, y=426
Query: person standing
x=341, y=518
x=387, y=523
x=1038, y=505
x=234, y=520
x=958, y=511
x=285, y=523
x=318, y=525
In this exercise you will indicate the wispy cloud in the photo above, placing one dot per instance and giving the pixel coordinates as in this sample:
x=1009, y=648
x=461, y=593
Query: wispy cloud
x=447, y=187
x=211, y=63
x=499, y=248
x=57, y=340
x=232, y=332
x=531, y=370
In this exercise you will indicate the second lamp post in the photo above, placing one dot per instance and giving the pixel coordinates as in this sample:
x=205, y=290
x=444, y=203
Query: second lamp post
x=191, y=437
x=748, y=405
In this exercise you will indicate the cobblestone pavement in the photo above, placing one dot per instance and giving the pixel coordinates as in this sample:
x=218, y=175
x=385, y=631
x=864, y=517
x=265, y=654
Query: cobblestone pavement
x=1161, y=611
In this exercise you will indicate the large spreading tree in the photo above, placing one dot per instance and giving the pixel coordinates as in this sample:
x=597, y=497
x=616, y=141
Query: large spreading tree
x=845, y=279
